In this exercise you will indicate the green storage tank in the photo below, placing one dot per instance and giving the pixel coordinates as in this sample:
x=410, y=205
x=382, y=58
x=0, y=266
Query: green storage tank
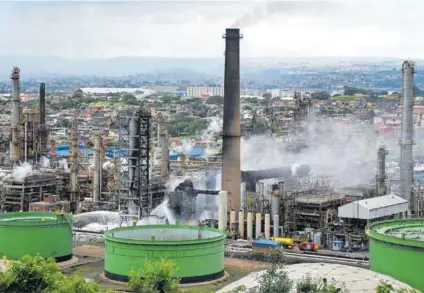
x=197, y=251
x=30, y=233
x=397, y=250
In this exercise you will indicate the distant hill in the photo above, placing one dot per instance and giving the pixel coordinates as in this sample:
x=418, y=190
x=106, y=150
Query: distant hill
x=182, y=68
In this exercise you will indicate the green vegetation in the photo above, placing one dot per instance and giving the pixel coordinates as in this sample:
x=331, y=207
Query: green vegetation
x=37, y=275
x=384, y=287
x=129, y=99
x=186, y=126
x=330, y=110
x=350, y=91
x=34, y=103
x=156, y=277
x=321, y=96
x=310, y=285
x=215, y=100
x=344, y=98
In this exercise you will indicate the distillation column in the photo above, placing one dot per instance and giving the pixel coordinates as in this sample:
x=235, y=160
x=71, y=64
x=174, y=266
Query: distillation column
x=381, y=171
x=164, y=148
x=407, y=137
x=73, y=159
x=16, y=115
x=43, y=130
x=231, y=175
x=97, y=167
x=53, y=156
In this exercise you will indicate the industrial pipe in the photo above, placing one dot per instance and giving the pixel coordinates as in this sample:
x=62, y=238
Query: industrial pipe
x=258, y=226
x=276, y=226
x=222, y=210
x=26, y=141
x=267, y=226
x=241, y=224
x=97, y=168
x=381, y=171
x=232, y=220
x=249, y=220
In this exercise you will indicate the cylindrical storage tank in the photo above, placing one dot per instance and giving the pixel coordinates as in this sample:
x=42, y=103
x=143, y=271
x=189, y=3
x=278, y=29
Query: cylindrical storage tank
x=397, y=250
x=198, y=252
x=31, y=233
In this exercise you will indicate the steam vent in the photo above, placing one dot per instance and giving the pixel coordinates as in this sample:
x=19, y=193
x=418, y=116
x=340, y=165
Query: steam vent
x=197, y=251
x=397, y=250
x=31, y=233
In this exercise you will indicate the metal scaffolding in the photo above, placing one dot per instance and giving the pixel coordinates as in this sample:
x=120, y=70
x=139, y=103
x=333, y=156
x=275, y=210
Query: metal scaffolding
x=18, y=194
x=134, y=164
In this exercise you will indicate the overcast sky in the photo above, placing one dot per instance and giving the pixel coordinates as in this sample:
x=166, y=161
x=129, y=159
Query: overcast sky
x=95, y=29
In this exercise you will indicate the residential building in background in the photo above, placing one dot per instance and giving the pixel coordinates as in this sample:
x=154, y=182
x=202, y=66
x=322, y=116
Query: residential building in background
x=204, y=92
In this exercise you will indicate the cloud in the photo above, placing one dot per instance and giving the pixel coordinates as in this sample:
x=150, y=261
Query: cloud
x=194, y=28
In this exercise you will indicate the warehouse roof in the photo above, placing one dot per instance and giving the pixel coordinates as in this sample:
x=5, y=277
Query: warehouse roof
x=374, y=208
x=381, y=201
x=353, y=278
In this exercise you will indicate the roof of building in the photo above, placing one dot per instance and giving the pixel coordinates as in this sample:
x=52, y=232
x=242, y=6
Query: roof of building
x=381, y=201
x=353, y=278
x=374, y=208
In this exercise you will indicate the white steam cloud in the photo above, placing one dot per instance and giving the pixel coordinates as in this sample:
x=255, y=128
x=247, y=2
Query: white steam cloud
x=21, y=172
x=214, y=128
x=63, y=164
x=343, y=150
x=213, y=131
x=283, y=8
x=45, y=162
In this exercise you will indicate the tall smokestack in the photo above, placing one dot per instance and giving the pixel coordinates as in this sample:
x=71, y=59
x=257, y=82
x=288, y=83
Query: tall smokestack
x=231, y=175
x=381, y=171
x=16, y=115
x=43, y=132
x=407, y=139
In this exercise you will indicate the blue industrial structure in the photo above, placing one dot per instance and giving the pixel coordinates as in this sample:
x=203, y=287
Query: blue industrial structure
x=193, y=154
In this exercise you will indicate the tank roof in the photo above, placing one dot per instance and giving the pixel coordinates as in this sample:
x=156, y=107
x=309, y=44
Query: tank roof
x=356, y=280
x=22, y=219
x=164, y=234
x=407, y=232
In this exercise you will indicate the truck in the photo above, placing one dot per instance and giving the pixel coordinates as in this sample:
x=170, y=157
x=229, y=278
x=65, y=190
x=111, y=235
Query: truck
x=308, y=246
x=287, y=242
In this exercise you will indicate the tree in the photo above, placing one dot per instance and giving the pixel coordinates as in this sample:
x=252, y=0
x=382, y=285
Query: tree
x=155, y=277
x=31, y=274
x=38, y=275
x=323, y=95
x=215, y=100
x=63, y=122
x=77, y=284
x=77, y=95
x=129, y=99
x=275, y=278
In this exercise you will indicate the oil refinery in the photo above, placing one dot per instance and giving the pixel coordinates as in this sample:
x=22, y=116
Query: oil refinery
x=144, y=205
